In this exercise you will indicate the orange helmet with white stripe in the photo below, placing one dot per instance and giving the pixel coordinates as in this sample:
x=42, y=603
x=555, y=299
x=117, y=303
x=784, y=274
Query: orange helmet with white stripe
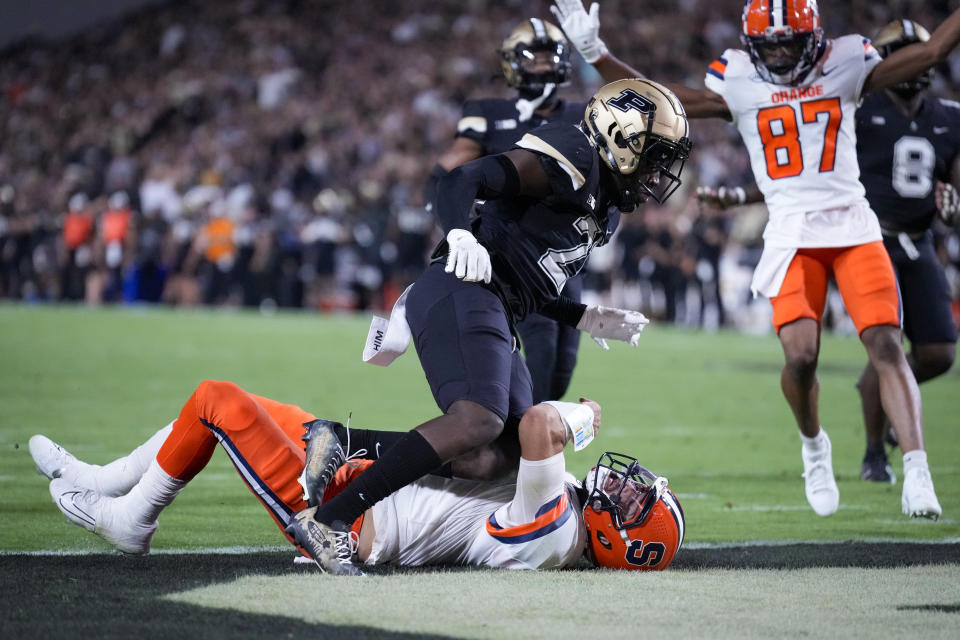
x=633, y=520
x=783, y=37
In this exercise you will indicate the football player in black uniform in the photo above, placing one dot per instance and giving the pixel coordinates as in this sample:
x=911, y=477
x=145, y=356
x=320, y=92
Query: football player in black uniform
x=546, y=204
x=908, y=146
x=536, y=60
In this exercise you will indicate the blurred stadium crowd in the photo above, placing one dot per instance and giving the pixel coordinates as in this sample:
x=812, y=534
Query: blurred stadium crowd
x=271, y=154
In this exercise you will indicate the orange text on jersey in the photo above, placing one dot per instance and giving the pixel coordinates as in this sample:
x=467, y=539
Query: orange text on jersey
x=787, y=95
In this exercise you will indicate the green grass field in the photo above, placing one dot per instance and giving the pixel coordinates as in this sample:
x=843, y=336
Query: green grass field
x=703, y=409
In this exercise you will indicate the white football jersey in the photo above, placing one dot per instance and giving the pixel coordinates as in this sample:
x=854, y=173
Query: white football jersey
x=802, y=143
x=533, y=524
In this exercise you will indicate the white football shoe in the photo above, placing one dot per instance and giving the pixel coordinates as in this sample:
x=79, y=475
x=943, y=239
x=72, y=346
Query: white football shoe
x=821, y=487
x=919, y=499
x=103, y=516
x=51, y=459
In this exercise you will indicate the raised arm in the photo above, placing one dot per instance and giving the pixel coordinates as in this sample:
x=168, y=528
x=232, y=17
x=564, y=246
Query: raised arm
x=583, y=29
x=912, y=60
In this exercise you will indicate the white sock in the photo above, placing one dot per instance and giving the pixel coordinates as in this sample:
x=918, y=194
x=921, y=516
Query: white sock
x=915, y=459
x=155, y=490
x=817, y=443
x=118, y=477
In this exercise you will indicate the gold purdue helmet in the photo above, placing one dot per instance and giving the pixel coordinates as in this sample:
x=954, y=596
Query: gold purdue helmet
x=518, y=54
x=641, y=131
x=896, y=35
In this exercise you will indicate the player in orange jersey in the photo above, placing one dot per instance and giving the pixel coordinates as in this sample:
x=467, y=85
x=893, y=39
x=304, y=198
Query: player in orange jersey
x=792, y=95
x=542, y=519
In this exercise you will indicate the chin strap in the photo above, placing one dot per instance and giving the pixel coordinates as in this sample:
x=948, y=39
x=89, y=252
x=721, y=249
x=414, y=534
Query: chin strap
x=527, y=107
x=659, y=486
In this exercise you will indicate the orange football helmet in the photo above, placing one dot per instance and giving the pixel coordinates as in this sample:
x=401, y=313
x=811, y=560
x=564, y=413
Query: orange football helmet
x=633, y=520
x=783, y=37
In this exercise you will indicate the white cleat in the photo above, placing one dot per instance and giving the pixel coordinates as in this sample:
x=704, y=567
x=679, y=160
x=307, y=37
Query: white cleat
x=103, y=516
x=919, y=499
x=821, y=488
x=51, y=459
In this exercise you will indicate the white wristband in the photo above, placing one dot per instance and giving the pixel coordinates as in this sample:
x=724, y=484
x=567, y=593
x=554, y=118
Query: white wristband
x=578, y=419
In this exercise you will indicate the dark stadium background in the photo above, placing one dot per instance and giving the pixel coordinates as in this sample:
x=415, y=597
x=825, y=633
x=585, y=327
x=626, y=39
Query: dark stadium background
x=270, y=154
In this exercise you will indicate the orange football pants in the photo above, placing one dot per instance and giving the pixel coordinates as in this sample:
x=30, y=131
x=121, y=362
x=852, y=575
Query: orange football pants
x=864, y=276
x=262, y=437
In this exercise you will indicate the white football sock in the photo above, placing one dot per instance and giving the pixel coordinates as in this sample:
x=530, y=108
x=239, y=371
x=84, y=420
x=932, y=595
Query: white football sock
x=916, y=458
x=155, y=490
x=817, y=443
x=118, y=477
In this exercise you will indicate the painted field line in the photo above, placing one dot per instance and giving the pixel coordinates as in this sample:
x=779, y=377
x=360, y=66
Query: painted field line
x=784, y=543
x=233, y=551
x=242, y=550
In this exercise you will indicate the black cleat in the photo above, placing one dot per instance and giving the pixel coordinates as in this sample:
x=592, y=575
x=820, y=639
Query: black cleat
x=876, y=468
x=330, y=547
x=324, y=456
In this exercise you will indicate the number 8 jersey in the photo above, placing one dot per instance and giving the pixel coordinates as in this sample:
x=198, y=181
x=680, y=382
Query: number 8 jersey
x=902, y=158
x=802, y=143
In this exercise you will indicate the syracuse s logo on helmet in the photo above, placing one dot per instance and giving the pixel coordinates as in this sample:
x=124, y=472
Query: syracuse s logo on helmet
x=645, y=555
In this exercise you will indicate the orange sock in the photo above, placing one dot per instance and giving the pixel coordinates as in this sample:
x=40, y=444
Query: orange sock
x=189, y=446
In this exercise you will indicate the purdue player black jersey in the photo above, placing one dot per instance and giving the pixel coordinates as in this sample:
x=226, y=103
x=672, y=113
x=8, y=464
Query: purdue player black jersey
x=901, y=159
x=536, y=245
x=495, y=123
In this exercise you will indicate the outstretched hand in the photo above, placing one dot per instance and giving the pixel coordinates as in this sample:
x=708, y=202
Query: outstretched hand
x=604, y=323
x=721, y=197
x=581, y=27
x=948, y=203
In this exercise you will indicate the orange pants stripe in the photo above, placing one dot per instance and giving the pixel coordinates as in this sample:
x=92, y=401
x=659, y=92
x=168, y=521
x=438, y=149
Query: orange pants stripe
x=262, y=437
x=864, y=276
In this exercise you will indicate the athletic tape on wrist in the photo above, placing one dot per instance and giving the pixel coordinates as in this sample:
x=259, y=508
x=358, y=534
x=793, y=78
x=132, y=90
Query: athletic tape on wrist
x=578, y=419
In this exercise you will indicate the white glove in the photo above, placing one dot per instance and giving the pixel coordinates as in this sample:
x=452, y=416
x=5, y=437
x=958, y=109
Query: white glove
x=616, y=324
x=948, y=203
x=582, y=28
x=468, y=259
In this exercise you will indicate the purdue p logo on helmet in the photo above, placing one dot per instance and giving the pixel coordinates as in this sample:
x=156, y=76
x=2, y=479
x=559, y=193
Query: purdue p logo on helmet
x=641, y=131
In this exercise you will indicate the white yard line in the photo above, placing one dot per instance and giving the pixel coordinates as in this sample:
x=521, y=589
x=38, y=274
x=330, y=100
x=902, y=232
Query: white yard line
x=240, y=550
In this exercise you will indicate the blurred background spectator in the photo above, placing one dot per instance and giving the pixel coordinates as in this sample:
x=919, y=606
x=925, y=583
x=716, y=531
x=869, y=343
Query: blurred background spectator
x=270, y=154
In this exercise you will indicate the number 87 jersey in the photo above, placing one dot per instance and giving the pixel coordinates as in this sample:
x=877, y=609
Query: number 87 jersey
x=801, y=138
